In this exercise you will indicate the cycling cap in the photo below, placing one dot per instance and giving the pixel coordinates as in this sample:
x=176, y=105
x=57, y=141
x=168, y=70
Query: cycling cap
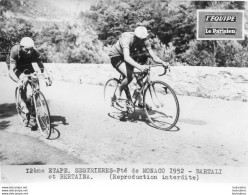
x=141, y=32
x=27, y=42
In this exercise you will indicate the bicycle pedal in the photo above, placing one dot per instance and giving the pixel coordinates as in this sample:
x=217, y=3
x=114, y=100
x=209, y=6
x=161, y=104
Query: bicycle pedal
x=130, y=107
x=124, y=117
x=26, y=122
x=130, y=110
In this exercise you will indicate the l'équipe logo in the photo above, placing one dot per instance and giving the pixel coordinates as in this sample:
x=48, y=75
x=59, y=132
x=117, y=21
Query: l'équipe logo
x=220, y=24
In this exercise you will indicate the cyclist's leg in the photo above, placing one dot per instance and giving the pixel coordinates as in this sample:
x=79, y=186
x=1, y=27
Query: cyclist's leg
x=23, y=90
x=127, y=72
x=140, y=84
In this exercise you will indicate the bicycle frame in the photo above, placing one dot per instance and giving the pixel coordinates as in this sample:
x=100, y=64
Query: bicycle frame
x=144, y=85
x=34, y=84
x=152, y=95
x=33, y=81
x=36, y=104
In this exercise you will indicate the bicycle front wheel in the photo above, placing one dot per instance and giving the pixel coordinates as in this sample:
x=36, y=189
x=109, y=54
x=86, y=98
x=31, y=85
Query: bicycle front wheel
x=110, y=90
x=24, y=117
x=162, y=106
x=42, y=115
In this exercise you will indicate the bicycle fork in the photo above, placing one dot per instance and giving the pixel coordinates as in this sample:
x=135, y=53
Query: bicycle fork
x=152, y=91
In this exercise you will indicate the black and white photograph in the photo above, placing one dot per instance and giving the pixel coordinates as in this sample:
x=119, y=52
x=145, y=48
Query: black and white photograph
x=123, y=90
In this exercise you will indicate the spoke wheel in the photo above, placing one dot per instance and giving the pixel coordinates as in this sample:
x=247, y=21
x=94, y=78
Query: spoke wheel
x=162, y=106
x=42, y=114
x=110, y=90
x=24, y=117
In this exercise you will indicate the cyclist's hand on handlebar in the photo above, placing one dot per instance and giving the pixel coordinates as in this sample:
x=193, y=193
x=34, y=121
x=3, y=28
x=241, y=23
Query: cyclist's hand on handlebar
x=23, y=80
x=166, y=65
x=48, y=81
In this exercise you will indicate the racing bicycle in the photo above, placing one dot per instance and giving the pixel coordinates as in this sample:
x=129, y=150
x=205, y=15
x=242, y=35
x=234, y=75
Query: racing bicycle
x=160, y=102
x=36, y=103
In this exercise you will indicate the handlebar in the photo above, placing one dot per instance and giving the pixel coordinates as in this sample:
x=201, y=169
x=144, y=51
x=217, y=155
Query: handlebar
x=35, y=75
x=165, y=68
x=165, y=71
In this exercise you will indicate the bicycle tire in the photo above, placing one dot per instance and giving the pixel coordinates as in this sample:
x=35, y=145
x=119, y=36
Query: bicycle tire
x=164, y=113
x=110, y=88
x=24, y=118
x=43, y=122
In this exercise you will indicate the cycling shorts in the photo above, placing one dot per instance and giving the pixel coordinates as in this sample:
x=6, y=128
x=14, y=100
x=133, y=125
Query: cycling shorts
x=19, y=72
x=116, y=61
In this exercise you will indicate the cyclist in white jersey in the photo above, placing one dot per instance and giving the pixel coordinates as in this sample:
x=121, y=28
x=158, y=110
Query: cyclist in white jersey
x=121, y=57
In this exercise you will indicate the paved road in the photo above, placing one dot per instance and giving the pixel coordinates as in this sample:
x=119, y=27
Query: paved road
x=209, y=132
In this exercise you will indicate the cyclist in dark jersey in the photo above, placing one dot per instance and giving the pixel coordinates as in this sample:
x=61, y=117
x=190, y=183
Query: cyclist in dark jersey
x=121, y=57
x=21, y=58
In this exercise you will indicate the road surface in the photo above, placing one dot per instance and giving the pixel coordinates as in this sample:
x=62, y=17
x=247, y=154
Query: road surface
x=209, y=132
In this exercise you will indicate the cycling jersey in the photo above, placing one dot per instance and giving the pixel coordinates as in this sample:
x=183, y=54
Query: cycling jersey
x=22, y=60
x=127, y=40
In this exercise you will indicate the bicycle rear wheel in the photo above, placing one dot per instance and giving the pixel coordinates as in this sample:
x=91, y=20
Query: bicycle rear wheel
x=162, y=108
x=42, y=114
x=110, y=90
x=24, y=117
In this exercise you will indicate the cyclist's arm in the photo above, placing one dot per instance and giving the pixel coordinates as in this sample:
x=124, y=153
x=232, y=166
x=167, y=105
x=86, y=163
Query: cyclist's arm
x=40, y=63
x=130, y=60
x=41, y=66
x=45, y=73
x=155, y=58
x=42, y=69
x=12, y=71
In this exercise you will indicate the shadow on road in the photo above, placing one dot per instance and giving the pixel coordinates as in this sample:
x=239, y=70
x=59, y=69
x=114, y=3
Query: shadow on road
x=4, y=125
x=139, y=115
x=173, y=129
x=6, y=110
x=193, y=122
x=55, y=134
x=55, y=122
